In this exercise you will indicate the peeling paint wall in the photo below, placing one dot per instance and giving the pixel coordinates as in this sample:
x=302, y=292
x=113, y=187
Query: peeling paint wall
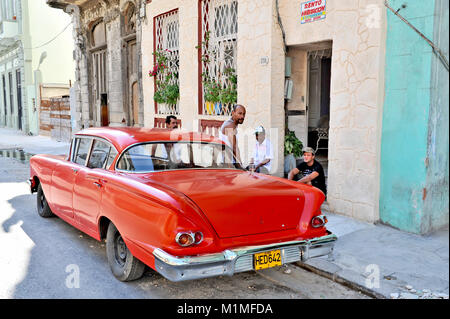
x=410, y=189
x=436, y=202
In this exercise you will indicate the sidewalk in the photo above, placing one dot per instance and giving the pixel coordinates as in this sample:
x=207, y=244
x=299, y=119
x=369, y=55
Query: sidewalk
x=376, y=259
x=385, y=262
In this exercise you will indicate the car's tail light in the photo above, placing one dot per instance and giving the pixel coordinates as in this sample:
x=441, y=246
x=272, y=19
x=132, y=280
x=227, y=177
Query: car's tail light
x=319, y=221
x=198, y=237
x=185, y=239
x=188, y=238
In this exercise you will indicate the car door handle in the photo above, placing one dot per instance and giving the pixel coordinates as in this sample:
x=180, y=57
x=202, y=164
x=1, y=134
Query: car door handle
x=75, y=170
x=98, y=184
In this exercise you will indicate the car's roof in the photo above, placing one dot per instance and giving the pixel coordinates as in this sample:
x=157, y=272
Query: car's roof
x=122, y=137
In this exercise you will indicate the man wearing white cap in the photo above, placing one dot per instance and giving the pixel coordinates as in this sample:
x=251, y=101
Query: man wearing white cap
x=263, y=152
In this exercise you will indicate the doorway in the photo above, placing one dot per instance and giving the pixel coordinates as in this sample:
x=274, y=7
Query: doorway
x=132, y=108
x=319, y=80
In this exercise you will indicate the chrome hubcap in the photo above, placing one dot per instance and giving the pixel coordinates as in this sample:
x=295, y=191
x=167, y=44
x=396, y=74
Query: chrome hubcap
x=120, y=250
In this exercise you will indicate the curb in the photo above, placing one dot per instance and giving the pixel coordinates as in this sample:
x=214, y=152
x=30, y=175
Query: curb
x=341, y=280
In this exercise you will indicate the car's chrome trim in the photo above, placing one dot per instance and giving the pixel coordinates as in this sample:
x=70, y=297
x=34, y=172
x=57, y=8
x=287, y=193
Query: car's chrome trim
x=239, y=259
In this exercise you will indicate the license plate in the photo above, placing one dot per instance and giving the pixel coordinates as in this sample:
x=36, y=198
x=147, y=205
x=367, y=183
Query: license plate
x=267, y=259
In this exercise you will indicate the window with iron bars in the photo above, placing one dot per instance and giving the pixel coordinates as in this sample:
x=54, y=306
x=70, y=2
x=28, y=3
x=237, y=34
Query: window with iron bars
x=166, y=45
x=217, y=49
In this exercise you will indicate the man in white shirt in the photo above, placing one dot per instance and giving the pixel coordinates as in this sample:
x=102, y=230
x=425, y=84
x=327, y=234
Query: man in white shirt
x=263, y=152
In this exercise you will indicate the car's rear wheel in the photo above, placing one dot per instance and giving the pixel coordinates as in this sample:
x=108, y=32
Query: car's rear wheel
x=124, y=265
x=42, y=205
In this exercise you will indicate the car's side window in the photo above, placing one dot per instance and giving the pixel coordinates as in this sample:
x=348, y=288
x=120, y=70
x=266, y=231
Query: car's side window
x=81, y=150
x=111, y=157
x=99, y=154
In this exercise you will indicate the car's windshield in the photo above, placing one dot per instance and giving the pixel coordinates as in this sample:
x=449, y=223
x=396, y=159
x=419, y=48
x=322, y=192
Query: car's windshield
x=162, y=156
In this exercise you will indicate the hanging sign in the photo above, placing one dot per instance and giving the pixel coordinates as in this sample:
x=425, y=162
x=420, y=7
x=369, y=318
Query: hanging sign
x=313, y=11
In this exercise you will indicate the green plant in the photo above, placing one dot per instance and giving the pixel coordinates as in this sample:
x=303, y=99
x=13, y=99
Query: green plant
x=172, y=92
x=166, y=82
x=228, y=94
x=212, y=91
x=224, y=88
x=292, y=145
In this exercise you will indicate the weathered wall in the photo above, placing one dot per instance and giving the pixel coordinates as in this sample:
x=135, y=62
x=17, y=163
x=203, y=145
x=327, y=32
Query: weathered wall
x=405, y=176
x=87, y=111
x=436, y=203
x=357, y=32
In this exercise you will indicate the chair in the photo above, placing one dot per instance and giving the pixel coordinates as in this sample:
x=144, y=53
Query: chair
x=322, y=134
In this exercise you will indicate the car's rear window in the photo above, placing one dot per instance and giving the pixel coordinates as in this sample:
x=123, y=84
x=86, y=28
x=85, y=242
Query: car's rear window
x=176, y=155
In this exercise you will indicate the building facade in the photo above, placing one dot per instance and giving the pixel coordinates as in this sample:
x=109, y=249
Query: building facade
x=341, y=74
x=107, y=90
x=34, y=62
x=336, y=65
x=328, y=71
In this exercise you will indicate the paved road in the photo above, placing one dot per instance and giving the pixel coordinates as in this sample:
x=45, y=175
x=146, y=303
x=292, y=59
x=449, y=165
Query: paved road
x=47, y=258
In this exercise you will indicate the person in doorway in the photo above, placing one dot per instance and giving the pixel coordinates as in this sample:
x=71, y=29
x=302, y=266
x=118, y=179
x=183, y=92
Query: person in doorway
x=228, y=130
x=311, y=170
x=263, y=153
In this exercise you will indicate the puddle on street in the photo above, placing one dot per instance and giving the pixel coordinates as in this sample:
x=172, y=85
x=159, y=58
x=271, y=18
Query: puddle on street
x=18, y=154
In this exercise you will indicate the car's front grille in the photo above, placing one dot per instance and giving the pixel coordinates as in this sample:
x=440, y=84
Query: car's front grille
x=289, y=254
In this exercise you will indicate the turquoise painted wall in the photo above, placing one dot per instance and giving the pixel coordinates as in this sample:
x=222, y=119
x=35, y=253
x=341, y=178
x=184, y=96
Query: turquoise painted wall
x=404, y=141
x=436, y=204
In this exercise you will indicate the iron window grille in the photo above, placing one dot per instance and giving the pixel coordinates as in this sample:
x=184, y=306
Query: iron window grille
x=166, y=28
x=219, y=27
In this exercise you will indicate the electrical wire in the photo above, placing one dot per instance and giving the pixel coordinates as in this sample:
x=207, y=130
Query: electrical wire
x=435, y=48
x=54, y=38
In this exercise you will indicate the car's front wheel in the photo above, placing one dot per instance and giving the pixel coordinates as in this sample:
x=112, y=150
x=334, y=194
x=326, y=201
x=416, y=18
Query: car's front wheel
x=42, y=205
x=124, y=265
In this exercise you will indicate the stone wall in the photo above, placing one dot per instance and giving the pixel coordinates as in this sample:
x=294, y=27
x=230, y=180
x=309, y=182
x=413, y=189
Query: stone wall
x=357, y=32
x=84, y=17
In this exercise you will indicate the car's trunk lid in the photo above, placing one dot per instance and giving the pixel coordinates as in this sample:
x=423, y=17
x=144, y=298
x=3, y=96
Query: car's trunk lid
x=236, y=202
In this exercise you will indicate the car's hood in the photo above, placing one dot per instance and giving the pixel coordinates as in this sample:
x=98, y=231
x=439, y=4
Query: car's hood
x=236, y=202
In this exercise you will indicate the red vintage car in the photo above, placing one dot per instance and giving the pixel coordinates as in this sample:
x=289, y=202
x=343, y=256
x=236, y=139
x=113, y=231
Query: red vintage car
x=179, y=203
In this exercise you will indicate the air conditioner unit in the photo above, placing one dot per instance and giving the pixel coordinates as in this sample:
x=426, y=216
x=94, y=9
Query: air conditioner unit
x=288, y=86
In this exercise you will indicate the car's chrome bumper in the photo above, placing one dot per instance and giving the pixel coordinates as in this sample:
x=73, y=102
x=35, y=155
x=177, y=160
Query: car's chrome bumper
x=237, y=260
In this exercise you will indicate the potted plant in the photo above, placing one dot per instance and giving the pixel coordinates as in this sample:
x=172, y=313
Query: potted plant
x=220, y=92
x=211, y=95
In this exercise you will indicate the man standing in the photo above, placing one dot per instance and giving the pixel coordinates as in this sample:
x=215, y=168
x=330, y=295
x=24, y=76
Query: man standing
x=311, y=170
x=263, y=153
x=228, y=130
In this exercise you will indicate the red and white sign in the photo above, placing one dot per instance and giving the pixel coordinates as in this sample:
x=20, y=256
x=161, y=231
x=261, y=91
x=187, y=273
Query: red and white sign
x=313, y=10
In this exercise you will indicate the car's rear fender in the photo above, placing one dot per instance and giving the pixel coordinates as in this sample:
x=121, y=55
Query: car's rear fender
x=149, y=217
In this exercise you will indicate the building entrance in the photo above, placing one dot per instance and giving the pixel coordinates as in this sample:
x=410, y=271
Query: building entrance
x=319, y=79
